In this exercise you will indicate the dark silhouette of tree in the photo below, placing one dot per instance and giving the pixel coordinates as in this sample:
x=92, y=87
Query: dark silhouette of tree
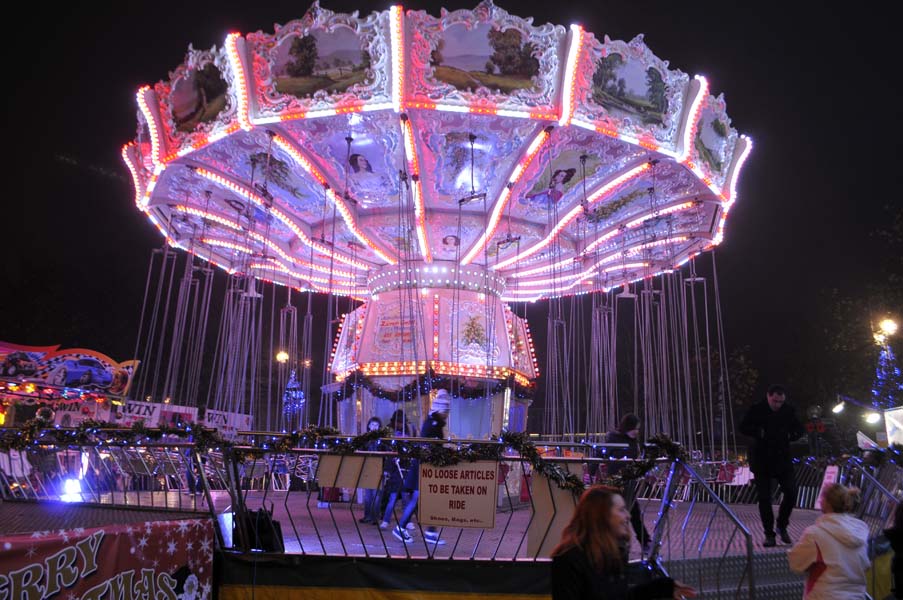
x=490, y=67
x=529, y=64
x=211, y=81
x=656, y=91
x=304, y=54
x=365, y=61
x=436, y=57
x=506, y=47
x=744, y=377
x=606, y=75
x=719, y=128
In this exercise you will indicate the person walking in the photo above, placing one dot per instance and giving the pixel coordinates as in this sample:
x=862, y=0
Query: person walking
x=773, y=424
x=628, y=432
x=371, y=498
x=397, y=476
x=434, y=426
x=834, y=552
x=590, y=561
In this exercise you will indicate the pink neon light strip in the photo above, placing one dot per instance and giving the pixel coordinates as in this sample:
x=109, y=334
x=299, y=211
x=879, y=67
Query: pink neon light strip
x=241, y=80
x=417, y=190
x=133, y=169
x=693, y=116
x=570, y=75
x=502, y=201
x=436, y=327
x=285, y=269
x=285, y=256
x=732, y=184
x=397, y=41
x=278, y=214
x=269, y=243
x=143, y=105
x=339, y=203
x=608, y=188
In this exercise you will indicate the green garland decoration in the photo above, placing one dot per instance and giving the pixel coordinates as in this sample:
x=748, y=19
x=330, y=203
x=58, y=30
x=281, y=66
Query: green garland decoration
x=657, y=447
x=38, y=432
x=423, y=384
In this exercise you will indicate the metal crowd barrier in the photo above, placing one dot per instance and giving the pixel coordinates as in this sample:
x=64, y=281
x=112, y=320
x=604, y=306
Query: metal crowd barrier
x=156, y=476
x=704, y=544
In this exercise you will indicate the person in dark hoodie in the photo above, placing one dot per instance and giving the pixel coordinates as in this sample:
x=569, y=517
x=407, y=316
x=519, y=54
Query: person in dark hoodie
x=433, y=427
x=834, y=552
x=628, y=432
x=773, y=425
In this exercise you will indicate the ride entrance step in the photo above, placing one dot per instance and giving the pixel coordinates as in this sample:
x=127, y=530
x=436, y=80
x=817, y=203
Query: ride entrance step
x=726, y=577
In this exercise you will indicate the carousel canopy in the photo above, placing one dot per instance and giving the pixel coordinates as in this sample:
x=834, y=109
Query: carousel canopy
x=350, y=154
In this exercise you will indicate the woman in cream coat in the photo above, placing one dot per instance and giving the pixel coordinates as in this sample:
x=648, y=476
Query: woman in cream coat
x=834, y=552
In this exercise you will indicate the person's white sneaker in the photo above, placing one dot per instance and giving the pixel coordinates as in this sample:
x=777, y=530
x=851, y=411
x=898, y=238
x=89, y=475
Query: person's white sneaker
x=433, y=537
x=402, y=535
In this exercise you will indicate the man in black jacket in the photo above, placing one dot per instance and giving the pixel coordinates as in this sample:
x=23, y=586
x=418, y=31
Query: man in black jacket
x=773, y=425
x=627, y=433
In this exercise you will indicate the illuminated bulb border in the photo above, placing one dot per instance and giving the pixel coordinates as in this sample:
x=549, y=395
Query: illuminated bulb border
x=416, y=189
x=693, y=116
x=133, y=169
x=145, y=109
x=239, y=76
x=502, y=200
x=397, y=41
x=339, y=203
x=278, y=214
x=570, y=75
x=605, y=190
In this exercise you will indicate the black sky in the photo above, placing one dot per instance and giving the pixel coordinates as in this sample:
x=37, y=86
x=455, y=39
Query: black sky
x=812, y=88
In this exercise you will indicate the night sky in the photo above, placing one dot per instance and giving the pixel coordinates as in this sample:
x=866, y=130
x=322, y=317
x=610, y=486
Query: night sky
x=812, y=89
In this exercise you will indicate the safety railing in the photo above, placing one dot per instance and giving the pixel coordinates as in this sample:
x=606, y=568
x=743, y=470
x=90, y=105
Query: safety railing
x=155, y=476
x=877, y=503
x=322, y=513
x=310, y=501
x=700, y=540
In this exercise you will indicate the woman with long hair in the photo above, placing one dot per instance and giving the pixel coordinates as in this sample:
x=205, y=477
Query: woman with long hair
x=590, y=562
x=834, y=552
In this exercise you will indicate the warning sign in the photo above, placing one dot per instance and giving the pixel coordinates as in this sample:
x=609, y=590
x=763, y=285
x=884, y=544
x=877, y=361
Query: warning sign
x=462, y=495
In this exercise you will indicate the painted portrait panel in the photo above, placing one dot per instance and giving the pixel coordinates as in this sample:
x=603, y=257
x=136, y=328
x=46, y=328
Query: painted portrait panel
x=199, y=97
x=484, y=57
x=329, y=61
x=628, y=87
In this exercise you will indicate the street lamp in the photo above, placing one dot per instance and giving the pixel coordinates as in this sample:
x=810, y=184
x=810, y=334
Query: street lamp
x=282, y=357
x=886, y=328
x=872, y=418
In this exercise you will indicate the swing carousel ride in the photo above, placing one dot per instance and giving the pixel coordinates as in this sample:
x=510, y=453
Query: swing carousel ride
x=441, y=172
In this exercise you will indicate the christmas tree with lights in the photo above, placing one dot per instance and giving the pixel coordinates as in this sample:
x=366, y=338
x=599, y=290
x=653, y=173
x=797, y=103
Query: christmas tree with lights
x=292, y=398
x=887, y=391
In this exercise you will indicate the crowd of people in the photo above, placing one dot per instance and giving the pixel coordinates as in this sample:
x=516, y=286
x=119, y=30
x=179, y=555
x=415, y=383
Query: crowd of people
x=591, y=559
x=401, y=476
